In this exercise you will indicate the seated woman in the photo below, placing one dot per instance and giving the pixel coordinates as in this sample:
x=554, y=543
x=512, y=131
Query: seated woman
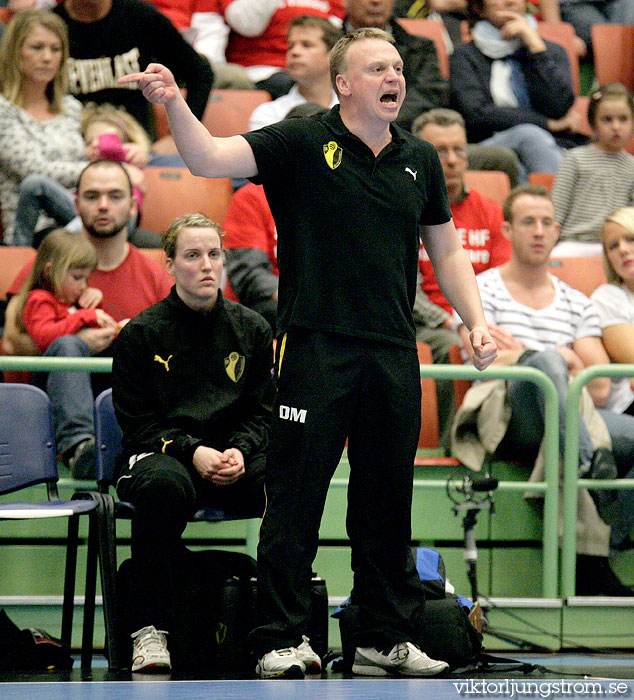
x=513, y=88
x=614, y=302
x=39, y=121
x=192, y=391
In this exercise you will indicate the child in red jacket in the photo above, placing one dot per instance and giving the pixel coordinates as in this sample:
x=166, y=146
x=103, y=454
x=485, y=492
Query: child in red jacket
x=47, y=301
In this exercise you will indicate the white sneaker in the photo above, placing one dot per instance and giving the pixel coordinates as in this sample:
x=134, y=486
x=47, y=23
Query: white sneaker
x=309, y=658
x=403, y=659
x=149, y=651
x=281, y=663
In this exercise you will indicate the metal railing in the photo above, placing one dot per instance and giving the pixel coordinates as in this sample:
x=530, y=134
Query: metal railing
x=16, y=363
x=550, y=485
x=98, y=364
x=571, y=482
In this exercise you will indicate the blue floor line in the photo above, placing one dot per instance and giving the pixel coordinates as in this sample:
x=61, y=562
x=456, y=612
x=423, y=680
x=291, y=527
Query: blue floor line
x=318, y=689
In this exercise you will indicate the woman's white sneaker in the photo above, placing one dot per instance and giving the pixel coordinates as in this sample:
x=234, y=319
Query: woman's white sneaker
x=281, y=663
x=403, y=659
x=310, y=658
x=149, y=650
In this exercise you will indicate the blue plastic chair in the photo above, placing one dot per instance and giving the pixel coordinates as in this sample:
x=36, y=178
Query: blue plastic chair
x=28, y=458
x=108, y=447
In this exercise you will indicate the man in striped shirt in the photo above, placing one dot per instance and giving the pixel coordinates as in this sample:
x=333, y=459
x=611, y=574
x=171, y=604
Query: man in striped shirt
x=539, y=321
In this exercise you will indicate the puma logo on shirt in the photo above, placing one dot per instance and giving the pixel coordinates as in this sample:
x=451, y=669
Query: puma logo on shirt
x=158, y=358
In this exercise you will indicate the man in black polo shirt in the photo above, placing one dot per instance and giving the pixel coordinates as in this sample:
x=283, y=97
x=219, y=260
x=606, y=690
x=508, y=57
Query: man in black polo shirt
x=350, y=194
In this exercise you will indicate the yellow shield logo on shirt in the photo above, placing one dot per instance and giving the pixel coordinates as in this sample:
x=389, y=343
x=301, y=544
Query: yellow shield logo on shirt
x=333, y=154
x=234, y=366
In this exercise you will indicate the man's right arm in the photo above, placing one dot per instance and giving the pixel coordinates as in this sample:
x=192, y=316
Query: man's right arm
x=509, y=349
x=204, y=154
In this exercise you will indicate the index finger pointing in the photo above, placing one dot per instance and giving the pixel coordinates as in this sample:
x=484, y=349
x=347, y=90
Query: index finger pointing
x=132, y=78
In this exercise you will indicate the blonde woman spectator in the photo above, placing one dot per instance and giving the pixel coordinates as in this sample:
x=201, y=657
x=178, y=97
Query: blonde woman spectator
x=39, y=121
x=614, y=302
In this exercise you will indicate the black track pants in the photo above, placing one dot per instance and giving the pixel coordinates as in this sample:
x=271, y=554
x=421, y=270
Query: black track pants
x=333, y=387
x=166, y=495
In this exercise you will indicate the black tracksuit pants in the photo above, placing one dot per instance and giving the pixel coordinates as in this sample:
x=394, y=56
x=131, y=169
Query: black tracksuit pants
x=165, y=496
x=332, y=387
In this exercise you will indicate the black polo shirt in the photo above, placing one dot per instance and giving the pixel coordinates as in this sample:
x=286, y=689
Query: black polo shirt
x=348, y=224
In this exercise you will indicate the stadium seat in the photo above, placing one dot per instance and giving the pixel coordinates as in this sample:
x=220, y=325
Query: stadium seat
x=157, y=254
x=613, y=50
x=12, y=260
x=228, y=111
x=545, y=179
x=173, y=192
x=431, y=30
x=493, y=184
x=584, y=274
x=429, y=437
x=28, y=458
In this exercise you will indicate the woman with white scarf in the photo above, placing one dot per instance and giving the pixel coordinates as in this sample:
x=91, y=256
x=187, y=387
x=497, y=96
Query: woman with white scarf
x=513, y=88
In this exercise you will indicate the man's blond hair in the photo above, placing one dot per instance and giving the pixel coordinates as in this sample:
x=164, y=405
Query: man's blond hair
x=341, y=48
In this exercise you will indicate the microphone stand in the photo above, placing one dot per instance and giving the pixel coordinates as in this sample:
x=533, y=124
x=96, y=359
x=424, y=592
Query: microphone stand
x=478, y=495
x=470, y=554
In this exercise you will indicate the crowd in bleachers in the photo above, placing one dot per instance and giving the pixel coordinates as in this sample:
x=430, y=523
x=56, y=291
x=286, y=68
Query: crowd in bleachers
x=508, y=70
x=90, y=174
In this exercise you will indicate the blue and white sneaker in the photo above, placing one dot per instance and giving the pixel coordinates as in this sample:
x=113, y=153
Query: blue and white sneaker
x=403, y=659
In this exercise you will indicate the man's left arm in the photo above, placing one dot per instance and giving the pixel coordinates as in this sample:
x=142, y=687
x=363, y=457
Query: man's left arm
x=591, y=351
x=549, y=81
x=457, y=282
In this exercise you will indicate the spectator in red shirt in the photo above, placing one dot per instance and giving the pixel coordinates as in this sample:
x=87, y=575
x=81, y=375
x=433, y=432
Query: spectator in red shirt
x=201, y=23
x=258, y=36
x=477, y=218
x=251, y=248
x=478, y=221
x=128, y=281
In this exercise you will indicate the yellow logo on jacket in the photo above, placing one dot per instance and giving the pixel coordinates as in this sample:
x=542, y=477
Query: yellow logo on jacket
x=165, y=363
x=333, y=153
x=234, y=366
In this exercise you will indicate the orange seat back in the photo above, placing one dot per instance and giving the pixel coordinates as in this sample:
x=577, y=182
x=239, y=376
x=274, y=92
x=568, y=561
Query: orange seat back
x=493, y=184
x=433, y=30
x=173, y=192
